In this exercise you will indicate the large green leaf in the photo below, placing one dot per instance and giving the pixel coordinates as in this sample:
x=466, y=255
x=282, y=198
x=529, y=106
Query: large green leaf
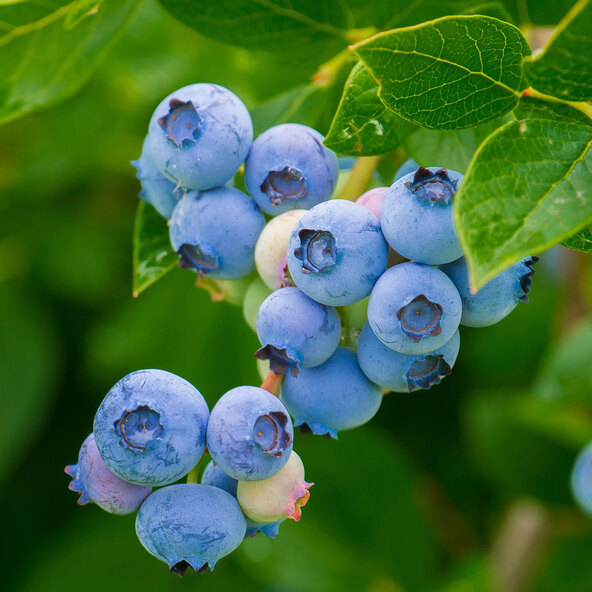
x=451, y=73
x=538, y=12
x=564, y=68
x=524, y=191
x=153, y=254
x=362, y=124
x=453, y=150
x=533, y=108
x=49, y=49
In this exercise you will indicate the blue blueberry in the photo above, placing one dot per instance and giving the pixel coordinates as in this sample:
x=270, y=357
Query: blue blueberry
x=581, y=480
x=215, y=232
x=409, y=166
x=404, y=373
x=334, y=396
x=295, y=331
x=97, y=484
x=249, y=434
x=216, y=477
x=156, y=189
x=416, y=216
x=414, y=308
x=200, y=135
x=288, y=168
x=190, y=525
x=151, y=427
x=337, y=252
x=497, y=298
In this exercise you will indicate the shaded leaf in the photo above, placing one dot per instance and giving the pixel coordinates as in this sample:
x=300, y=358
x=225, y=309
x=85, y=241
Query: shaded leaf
x=525, y=191
x=153, y=255
x=580, y=241
x=451, y=73
x=48, y=50
x=532, y=108
x=363, y=126
x=538, y=12
x=564, y=68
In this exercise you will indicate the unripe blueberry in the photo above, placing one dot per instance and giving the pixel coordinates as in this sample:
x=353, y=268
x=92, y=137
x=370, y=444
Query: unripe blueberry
x=416, y=216
x=215, y=232
x=497, y=298
x=216, y=477
x=156, y=189
x=581, y=479
x=289, y=168
x=200, y=135
x=414, y=308
x=151, y=427
x=190, y=525
x=295, y=331
x=271, y=249
x=372, y=200
x=249, y=433
x=97, y=484
x=337, y=252
x=281, y=496
x=334, y=396
x=404, y=373
x=256, y=293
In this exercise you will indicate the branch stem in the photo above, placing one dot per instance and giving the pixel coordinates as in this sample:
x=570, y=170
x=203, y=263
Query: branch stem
x=359, y=178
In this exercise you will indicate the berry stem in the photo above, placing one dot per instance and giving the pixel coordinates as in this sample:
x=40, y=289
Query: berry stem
x=272, y=383
x=359, y=178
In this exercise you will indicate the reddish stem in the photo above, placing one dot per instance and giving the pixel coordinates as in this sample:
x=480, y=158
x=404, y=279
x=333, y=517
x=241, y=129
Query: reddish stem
x=272, y=383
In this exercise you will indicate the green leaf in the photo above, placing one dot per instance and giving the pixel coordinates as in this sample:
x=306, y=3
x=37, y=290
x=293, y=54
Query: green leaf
x=363, y=126
x=538, y=12
x=452, y=150
x=525, y=191
x=303, y=104
x=564, y=68
x=451, y=73
x=580, y=241
x=48, y=50
x=153, y=255
x=533, y=108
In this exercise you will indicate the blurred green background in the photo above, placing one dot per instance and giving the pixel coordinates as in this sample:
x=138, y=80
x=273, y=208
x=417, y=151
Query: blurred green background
x=451, y=490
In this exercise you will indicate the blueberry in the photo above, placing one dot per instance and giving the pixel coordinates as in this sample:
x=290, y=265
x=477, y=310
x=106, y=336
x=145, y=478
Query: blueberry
x=409, y=166
x=337, y=252
x=403, y=372
x=215, y=232
x=249, y=433
x=190, y=525
x=289, y=168
x=278, y=497
x=295, y=331
x=331, y=397
x=97, y=484
x=497, y=298
x=272, y=248
x=372, y=200
x=581, y=480
x=156, y=189
x=200, y=135
x=416, y=216
x=216, y=477
x=151, y=427
x=414, y=308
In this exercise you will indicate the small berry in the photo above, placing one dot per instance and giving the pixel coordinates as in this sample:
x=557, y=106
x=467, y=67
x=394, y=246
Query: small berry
x=151, y=427
x=581, y=480
x=409, y=166
x=97, y=484
x=249, y=433
x=372, y=200
x=281, y=496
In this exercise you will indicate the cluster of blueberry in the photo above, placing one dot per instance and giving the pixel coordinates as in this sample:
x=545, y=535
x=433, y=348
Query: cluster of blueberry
x=384, y=276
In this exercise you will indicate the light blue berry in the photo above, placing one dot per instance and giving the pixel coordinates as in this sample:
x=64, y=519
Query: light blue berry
x=404, y=373
x=97, y=484
x=295, y=331
x=416, y=216
x=288, y=168
x=200, y=135
x=581, y=480
x=190, y=525
x=249, y=434
x=215, y=232
x=337, y=252
x=414, y=308
x=151, y=427
x=331, y=397
x=497, y=298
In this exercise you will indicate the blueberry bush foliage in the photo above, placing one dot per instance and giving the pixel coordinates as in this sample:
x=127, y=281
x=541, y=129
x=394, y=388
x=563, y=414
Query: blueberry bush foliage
x=498, y=90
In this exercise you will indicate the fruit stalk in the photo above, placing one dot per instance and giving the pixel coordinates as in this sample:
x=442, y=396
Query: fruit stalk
x=359, y=177
x=272, y=383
